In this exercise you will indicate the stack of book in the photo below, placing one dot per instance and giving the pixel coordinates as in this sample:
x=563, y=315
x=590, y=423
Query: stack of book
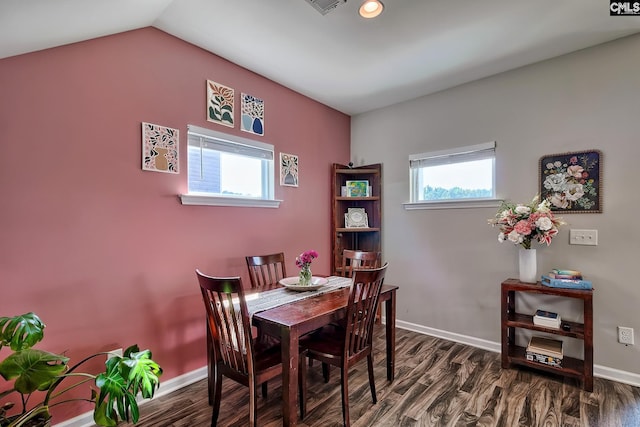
x=557, y=278
x=548, y=319
x=545, y=350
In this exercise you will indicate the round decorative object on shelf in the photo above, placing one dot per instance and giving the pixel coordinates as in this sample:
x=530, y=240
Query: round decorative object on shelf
x=528, y=265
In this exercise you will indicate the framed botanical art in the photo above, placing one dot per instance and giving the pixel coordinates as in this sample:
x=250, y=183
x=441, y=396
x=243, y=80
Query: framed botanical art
x=160, y=148
x=288, y=170
x=252, y=114
x=220, y=103
x=572, y=182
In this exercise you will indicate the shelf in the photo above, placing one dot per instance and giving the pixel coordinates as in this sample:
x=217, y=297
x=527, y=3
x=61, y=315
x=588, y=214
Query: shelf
x=511, y=321
x=571, y=367
x=576, y=330
x=357, y=230
x=357, y=171
x=364, y=199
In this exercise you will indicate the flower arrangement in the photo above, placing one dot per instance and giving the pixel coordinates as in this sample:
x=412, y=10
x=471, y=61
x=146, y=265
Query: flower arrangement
x=303, y=261
x=521, y=224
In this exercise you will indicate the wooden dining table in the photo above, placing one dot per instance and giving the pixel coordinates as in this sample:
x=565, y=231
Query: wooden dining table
x=290, y=321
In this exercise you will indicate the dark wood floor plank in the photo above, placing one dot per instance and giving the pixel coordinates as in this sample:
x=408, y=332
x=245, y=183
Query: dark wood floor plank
x=438, y=383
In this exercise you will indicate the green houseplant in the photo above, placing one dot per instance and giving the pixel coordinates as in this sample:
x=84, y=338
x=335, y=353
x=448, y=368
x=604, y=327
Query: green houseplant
x=32, y=373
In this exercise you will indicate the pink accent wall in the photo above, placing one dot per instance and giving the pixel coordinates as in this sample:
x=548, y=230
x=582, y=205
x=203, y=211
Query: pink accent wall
x=103, y=251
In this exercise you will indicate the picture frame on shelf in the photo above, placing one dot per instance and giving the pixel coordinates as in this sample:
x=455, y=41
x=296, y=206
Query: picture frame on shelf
x=356, y=218
x=358, y=188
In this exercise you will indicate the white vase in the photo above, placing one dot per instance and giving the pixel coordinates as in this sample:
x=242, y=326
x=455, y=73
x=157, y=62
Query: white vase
x=528, y=268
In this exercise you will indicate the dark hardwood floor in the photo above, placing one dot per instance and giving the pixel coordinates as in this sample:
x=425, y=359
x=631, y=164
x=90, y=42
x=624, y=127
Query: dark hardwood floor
x=438, y=383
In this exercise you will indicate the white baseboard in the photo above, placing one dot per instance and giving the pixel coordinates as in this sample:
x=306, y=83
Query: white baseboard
x=86, y=419
x=598, y=370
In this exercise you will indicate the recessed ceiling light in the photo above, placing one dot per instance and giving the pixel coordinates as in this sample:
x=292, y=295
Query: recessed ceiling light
x=371, y=8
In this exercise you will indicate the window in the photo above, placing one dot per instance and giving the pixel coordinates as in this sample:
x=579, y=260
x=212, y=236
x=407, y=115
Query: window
x=465, y=174
x=227, y=170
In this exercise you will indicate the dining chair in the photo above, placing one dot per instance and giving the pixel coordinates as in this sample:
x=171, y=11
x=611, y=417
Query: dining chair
x=266, y=270
x=234, y=353
x=344, y=347
x=353, y=260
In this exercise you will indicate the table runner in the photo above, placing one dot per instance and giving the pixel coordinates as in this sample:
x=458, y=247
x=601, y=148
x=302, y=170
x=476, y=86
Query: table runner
x=280, y=296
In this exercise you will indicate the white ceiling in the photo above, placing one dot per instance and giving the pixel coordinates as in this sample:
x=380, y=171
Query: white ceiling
x=414, y=48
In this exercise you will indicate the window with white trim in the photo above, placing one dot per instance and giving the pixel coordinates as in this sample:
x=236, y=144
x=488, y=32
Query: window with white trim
x=459, y=174
x=228, y=170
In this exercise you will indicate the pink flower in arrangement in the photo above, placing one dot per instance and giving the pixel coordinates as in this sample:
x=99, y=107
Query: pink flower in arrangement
x=521, y=224
x=304, y=259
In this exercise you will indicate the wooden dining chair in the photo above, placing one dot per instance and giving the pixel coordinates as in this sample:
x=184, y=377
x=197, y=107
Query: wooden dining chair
x=354, y=260
x=234, y=353
x=344, y=347
x=266, y=270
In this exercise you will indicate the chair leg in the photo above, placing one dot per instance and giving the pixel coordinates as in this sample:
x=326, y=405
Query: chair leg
x=210, y=369
x=372, y=382
x=264, y=389
x=215, y=396
x=344, y=376
x=253, y=412
x=302, y=385
x=326, y=371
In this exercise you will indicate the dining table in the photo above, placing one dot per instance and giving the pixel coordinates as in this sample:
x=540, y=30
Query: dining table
x=292, y=320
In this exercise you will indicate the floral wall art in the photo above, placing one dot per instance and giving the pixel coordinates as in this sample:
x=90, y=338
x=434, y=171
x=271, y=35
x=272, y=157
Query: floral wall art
x=572, y=182
x=252, y=111
x=288, y=170
x=220, y=103
x=160, y=148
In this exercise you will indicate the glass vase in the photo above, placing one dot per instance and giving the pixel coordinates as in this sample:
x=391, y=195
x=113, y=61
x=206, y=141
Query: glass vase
x=527, y=265
x=305, y=276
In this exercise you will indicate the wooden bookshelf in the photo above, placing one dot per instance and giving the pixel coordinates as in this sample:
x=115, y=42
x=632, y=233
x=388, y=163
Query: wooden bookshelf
x=512, y=354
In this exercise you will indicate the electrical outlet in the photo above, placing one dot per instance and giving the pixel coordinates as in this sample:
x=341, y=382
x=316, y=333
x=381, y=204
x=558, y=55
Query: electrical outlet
x=625, y=335
x=117, y=352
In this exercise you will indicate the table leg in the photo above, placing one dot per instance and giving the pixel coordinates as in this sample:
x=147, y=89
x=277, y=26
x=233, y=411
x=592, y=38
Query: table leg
x=290, y=356
x=390, y=327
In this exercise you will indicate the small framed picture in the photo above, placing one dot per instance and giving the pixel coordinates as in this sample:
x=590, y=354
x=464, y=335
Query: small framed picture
x=356, y=218
x=358, y=189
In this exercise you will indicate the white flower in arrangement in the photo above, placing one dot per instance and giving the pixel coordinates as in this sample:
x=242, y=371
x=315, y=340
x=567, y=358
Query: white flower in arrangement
x=544, y=223
x=522, y=210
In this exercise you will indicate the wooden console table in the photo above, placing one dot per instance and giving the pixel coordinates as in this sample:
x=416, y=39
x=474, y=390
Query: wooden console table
x=510, y=320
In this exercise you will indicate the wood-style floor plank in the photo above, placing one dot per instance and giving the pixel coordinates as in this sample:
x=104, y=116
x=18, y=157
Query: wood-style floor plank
x=438, y=383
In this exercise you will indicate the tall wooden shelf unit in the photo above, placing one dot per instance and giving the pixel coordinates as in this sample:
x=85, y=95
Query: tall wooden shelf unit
x=581, y=369
x=363, y=239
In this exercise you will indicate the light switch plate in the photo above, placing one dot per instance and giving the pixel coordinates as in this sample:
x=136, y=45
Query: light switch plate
x=583, y=237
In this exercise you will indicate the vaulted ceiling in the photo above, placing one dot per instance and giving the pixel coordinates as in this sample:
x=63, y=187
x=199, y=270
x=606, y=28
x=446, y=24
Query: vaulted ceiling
x=354, y=65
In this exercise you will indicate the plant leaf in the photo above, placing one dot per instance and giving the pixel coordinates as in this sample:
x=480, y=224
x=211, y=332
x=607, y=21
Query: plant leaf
x=21, y=332
x=33, y=369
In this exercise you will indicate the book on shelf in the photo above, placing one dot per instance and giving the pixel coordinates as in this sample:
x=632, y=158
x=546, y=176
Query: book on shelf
x=547, y=319
x=545, y=280
x=541, y=358
x=565, y=274
x=545, y=347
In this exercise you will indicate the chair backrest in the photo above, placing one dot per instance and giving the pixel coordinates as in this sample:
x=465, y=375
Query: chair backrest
x=228, y=321
x=354, y=260
x=361, y=310
x=266, y=270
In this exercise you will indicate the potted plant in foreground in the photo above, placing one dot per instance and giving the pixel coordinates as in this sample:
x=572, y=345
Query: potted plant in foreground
x=113, y=392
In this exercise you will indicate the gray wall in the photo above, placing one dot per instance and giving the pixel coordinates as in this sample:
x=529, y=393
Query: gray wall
x=448, y=263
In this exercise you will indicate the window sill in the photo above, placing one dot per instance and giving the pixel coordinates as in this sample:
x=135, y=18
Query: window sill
x=454, y=204
x=206, y=200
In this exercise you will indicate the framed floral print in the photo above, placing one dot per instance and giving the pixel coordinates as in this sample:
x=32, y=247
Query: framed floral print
x=572, y=182
x=160, y=146
x=288, y=170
